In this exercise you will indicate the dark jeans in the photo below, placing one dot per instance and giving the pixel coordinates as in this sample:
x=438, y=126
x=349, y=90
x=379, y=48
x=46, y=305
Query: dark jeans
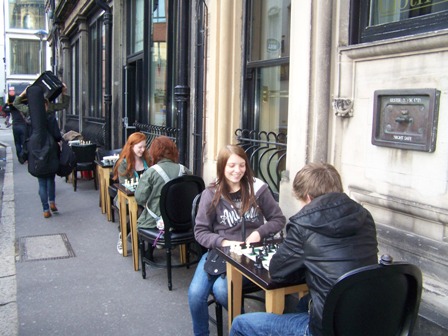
x=47, y=191
x=20, y=133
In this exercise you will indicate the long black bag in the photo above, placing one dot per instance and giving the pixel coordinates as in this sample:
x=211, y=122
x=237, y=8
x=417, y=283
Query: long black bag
x=41, y=147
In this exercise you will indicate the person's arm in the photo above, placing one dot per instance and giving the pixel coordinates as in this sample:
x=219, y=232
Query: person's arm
x=287, y=264
x=144, y=187
x=20, y=105
x=59, y=106
x=204, y=222
x=275, y=220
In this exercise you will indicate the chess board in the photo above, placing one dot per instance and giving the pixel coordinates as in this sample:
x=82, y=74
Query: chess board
x=265, y=251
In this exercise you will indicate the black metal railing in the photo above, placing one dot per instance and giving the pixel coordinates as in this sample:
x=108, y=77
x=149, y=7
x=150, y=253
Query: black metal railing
x=154, y=131
x=267, y=155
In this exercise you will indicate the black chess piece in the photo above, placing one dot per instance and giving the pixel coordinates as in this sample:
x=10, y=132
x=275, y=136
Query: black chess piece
x=258, y=261
x=253, y=250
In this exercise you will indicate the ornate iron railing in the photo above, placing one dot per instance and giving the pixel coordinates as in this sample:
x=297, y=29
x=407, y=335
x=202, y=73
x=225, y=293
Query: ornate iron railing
x=267, y=155
x=154, y=131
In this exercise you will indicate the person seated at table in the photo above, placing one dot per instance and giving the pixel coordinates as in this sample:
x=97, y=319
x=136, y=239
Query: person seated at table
x=166, y=166
x=134, y=159
x=237, y=208
x=331, y=235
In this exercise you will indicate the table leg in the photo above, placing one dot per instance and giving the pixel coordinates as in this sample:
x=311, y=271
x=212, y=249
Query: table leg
x=275, y=301
x=235, y=288
x=107, y=198
x=123, y=226
x=133, y=219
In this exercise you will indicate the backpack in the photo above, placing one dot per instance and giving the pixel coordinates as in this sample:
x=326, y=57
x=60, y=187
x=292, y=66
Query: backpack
x=67, y=160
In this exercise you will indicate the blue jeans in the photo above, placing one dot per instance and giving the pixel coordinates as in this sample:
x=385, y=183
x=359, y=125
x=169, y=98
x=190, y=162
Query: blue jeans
x=47, y=191
x=268, y=324
x=201, y=287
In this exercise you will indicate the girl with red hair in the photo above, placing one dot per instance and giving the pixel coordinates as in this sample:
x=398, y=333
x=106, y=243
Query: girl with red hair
x=134, y=160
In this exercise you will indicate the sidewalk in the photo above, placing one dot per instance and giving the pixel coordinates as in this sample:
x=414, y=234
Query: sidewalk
x=70, y=280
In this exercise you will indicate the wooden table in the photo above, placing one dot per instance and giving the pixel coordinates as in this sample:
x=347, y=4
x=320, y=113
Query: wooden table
x=126, y=197
x=103, y=174
x=239, y=266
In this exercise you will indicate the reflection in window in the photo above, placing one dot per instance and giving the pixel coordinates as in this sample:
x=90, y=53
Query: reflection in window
x=96, y=68
x=74, y=87
x=158, y=65
x=137, y=21
x=270, y=30
x=26, y=14
x=386, y=11
x=272, y=92
x=24, y=57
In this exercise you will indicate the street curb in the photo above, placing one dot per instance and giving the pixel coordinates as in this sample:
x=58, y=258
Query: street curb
x=8, y=284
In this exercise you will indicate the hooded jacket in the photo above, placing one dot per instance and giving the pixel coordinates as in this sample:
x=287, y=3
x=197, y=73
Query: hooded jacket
x=327, y=238
x=150, y=187
x=224, y=222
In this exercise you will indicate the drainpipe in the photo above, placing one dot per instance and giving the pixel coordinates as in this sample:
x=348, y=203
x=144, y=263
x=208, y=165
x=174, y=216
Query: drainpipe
x=107, y=76
x=181, y=89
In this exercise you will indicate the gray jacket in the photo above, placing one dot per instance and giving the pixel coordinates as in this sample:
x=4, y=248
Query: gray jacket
x=149, y=189
x=224, y=222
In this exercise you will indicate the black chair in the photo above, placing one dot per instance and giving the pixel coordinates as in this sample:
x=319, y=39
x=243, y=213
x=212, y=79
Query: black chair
x=175, y=206
x=248, y=289
x=374, y=300
x=85, y=162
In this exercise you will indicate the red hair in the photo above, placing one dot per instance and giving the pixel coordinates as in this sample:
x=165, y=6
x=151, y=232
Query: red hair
x=163, y=148
x=128, y=153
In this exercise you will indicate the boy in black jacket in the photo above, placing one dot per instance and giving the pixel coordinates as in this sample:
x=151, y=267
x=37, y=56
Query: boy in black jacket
x=331, y=235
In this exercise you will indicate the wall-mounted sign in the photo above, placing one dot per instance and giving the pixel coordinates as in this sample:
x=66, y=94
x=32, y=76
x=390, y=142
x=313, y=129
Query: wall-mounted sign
x=406, y=119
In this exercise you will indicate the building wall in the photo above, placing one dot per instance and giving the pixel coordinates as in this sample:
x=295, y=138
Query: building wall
x=405, y=190
x=223, y=78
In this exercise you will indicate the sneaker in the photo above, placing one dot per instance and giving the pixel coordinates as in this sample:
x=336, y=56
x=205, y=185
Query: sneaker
x=119, y=244
x=47, y=214
x=53, y=207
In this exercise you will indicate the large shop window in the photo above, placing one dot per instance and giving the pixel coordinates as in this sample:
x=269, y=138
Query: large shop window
x=266, y=90
x=373, y=20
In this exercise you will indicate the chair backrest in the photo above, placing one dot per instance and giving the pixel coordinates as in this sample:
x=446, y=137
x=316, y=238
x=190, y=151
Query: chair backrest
x=379, y=299
x=194, y=209
x=176, y=201
x=84, y=153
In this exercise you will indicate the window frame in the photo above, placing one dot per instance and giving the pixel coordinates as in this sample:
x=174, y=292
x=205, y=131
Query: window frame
x=361, y=32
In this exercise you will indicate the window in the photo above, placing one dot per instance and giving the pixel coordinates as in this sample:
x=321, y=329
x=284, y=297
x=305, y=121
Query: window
x=24, y=56
x=158, y=65
x=137, y=21
x=26, y=14
x=96, y=68
x=266, y=91
x=74, y=105
x=373, y=20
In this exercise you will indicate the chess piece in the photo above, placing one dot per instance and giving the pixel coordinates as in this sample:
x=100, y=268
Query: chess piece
x=259, y=261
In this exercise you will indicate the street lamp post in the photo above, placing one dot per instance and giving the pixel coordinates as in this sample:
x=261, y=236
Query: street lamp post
x=41, y=34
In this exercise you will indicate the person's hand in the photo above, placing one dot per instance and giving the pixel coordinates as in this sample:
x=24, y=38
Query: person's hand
x=226, y=242
x=254, y=237
x=23, y=94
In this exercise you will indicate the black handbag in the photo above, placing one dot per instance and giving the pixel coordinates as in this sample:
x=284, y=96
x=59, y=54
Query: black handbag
x=215, y=264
